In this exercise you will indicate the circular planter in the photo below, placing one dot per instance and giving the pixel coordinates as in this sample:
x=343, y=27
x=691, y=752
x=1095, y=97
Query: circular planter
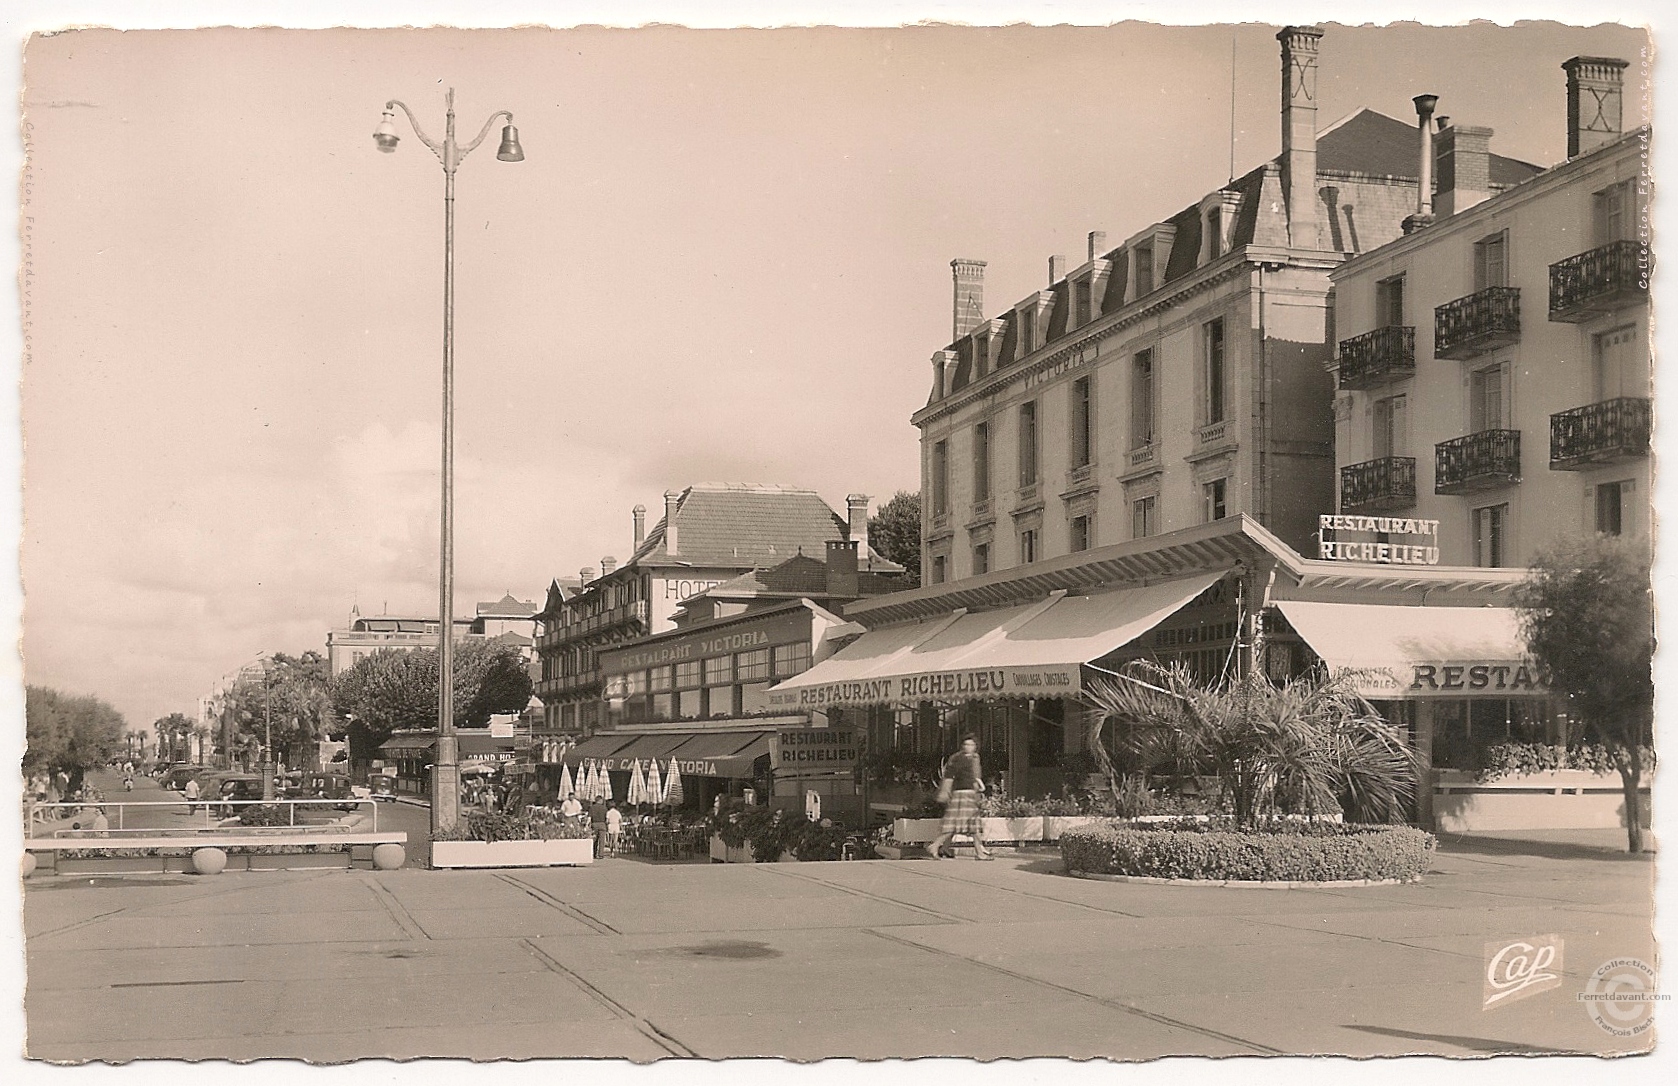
x=209, y=861
x=1286, y=856
x=389, y=856
x=27, y=864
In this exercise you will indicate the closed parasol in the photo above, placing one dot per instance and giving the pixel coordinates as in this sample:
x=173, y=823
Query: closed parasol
x=655, y=787
x=673, y=785
x=566, y=787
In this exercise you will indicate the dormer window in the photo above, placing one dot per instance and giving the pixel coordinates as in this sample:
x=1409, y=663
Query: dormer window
x=1082, y=301
x=1142, y=272
x=1214, y=234
x=1217, y=223
x=1028, y=329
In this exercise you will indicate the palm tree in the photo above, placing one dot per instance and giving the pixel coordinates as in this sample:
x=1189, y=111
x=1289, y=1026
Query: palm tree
x=1308, y=746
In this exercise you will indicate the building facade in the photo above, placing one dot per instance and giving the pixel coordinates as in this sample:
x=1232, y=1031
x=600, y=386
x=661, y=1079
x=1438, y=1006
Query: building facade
x=1494, y=369
x=510, y=620
x=1176, y=379
x=710, y=534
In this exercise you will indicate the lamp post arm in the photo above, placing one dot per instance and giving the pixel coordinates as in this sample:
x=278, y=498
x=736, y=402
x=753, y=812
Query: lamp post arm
x=470, y=147
x=436, y=148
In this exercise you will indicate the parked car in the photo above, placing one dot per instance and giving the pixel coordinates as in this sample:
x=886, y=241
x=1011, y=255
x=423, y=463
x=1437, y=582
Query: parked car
x=175, y=777
x=334, y=786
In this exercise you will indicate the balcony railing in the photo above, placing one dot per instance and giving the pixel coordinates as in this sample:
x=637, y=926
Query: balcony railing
x=1599, y=433
x=1211, y=433
x=1481, y=322
x=1490, y=458
x=1143, y=455
x=1375, y=358
x=1378, y=486
x=1600, y=281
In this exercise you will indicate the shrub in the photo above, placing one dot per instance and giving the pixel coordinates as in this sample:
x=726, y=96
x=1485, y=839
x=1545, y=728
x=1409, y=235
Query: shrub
x=264, y=814
x=512, y=827
x=1276, y=852
x=1523, y=759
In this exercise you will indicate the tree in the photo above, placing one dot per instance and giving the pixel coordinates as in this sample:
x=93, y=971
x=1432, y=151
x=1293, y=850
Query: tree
x=1307, y=746
x=895, y=531
x=172, y=732
x=290, y=700
x=1588, y=622
x=390, y=690
x=69, y=733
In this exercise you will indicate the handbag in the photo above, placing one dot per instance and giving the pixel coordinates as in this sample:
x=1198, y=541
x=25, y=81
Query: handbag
x=946, y=789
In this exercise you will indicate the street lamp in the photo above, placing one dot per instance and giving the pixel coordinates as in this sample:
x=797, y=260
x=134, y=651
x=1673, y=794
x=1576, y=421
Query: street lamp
x=445, y=781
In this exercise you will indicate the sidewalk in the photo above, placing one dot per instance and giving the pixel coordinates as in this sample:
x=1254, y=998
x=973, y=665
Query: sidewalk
x=871, y=960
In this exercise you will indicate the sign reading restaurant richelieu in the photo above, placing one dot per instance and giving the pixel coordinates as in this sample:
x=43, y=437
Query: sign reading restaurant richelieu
x=816, y=748
x=1061, y=680
x=1383, y=551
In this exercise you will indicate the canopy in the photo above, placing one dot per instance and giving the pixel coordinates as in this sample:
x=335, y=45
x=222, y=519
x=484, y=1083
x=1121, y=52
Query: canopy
x=698, y=754
x=721, y=754
x=1033, y=650
x=1393, y=651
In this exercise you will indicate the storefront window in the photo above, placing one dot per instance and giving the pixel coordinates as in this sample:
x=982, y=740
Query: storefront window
x=687, y=675
x=664, y=707
x=791, y=659
x=1464, y=729
x=637, y=683
x=660, y=679
x=719, y=670
x=690, y=704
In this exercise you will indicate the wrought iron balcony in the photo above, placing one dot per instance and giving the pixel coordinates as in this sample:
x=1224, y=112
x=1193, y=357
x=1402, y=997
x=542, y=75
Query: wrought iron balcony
x=1599, y=433
x=1600, y=281
x=1375, y=358
x=1378, y=486
x=1481, y=322
x=1490, y=458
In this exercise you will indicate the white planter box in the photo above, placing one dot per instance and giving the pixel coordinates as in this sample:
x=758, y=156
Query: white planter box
x=566, y=852
x=1055, y=826
x=999, y=830
x=1564, y=799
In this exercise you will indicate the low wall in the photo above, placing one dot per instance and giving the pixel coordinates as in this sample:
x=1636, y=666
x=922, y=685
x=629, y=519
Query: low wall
x=342, y=849
x=997, y=830
x=1567, y=799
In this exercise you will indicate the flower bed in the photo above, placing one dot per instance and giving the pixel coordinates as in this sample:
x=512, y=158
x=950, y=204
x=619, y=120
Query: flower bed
x=1277, y=852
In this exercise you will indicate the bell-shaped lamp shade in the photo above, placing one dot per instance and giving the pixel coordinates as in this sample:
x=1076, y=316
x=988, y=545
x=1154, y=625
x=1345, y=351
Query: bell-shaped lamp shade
x=510, y=151
x=385, y=135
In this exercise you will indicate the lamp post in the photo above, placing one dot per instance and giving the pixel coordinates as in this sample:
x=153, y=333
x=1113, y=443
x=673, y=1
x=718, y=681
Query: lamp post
x=445, y=781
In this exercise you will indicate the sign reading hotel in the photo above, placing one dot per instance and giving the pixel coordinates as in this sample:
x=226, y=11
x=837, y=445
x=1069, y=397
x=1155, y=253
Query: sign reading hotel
x=1056, y=681
x=1386, y=552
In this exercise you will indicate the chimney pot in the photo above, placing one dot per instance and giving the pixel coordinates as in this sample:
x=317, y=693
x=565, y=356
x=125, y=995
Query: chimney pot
x=1300, y=45
x=586, y=574
x=1098, y=242
x=1443, y=122
x=1424, y=178
x=671, y=498
x=640, y=512
x=607, y=565
x=969, y=307
x=1595, y=102
x=1057, y=269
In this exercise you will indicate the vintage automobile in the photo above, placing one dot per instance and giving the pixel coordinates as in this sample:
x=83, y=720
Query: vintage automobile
x=383, y=787
x=331, y=786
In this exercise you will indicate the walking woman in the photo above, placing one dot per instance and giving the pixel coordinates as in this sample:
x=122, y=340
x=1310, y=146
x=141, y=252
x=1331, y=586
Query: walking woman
x=963, y=781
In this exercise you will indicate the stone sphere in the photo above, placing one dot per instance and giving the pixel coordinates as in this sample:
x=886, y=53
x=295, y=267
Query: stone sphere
x=389, y=856
x=28, y=864
x=209, y=861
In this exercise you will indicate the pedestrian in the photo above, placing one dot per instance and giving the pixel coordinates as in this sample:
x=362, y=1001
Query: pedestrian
x=614, y=826
x=963, y=781
x=190, y=792
x=571, y=808
x=597, y=822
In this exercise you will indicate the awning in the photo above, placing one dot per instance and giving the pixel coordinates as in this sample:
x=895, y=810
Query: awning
x=409, y=744
x=1034, y=650
x=1391, y=651
x=698, y=754
x=721, y=754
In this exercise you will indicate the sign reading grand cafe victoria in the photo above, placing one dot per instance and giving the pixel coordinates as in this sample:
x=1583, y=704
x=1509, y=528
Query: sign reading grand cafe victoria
x=1007, y=657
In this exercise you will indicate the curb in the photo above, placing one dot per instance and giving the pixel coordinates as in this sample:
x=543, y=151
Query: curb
x=1240, y=884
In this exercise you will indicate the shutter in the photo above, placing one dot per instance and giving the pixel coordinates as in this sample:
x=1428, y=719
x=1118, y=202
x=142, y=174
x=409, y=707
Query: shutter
x=1399, y=442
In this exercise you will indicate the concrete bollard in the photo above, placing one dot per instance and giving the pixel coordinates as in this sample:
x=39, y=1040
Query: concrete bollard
x=28, y=864
x=389, y=856
x=209, y=861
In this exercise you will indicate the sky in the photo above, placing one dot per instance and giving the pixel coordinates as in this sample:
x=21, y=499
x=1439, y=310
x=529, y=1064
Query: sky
x=724, y=258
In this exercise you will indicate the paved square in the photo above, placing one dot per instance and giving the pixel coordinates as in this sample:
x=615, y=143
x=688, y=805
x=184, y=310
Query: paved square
x=869, y=960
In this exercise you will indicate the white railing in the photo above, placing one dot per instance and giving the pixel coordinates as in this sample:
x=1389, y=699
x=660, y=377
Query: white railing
x=39, y=816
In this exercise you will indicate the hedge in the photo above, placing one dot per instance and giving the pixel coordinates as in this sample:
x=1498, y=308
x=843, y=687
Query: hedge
x=1283, y=852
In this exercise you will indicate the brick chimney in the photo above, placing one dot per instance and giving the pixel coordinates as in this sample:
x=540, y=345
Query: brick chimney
x=1462, y=156
x=1594, y=103
x=969, y=307
x=1098, y=242
x=671, y=497
x=1057, y=269
x=856, y=517
x=1299, y=132
x=640, y=512
x=841, y=568
x=607, y=565
x=1424, y=167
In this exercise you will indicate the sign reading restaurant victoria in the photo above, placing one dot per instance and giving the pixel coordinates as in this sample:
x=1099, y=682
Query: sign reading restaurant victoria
x=1057, y=681
x=1386, y=551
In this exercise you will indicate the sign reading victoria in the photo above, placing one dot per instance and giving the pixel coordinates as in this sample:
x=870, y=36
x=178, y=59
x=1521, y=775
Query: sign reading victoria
x=1052, y=681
